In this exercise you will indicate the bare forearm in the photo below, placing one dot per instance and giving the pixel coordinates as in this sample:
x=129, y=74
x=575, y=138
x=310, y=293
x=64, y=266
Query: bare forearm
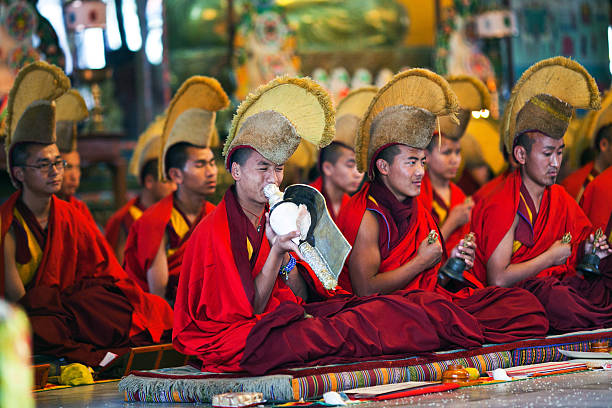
x=120, y=249
x=14, y=289
x=265, y=280
x=515, y=273
x=390, y=281
x=157, y=280
x=157, y=274
x=296, y=283
x=447, y=229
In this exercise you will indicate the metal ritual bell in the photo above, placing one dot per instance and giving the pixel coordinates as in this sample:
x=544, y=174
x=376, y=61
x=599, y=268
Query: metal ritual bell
x=589, y=266
x=450, y=275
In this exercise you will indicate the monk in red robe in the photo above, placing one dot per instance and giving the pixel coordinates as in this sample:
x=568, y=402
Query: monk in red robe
x=597, y=199
x=441, y=197
x=153, y=190
x=576, y=182
x=391, y=228
x=521, y=228
x=337, y=165
x=156, y=242
x=339, y=176
x=71, y=183
x=56, y=264
x=391, y=252
x=255, y=319
x=71, y=109
x=496, y=181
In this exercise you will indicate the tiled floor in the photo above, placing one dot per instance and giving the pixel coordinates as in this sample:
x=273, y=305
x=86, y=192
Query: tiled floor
x=592, y=389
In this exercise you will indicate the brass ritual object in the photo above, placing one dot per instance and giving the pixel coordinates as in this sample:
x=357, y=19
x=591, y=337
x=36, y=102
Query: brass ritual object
x=432, y=237
x=450, y=275
x=567, y=238
x=589, y=266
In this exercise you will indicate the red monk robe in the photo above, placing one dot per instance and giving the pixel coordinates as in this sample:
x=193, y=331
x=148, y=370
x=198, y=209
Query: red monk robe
x=491, y=186
x=146, y=236
x=214, y=317
x=318, y=184
x=571, y=302
x=467, y=183
x=439, y=209
x=122, y=220
x=597, y=199
x=83, y=209
x=403, y=226
x=576, y=182
x=80, y=302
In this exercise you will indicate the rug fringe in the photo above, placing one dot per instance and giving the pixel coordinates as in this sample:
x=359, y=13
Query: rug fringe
x=273, y=387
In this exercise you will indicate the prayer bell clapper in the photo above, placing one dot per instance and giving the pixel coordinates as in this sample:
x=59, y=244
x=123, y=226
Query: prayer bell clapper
x=450, y=275
x=589, y=266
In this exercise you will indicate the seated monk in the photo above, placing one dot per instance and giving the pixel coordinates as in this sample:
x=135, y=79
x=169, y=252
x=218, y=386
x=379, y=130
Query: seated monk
x=390, y=226
x=521, y=228
x=596, y=201
x=55, y=263
x=497, y=181
x=449, y=206
x=71, y=109
x=599, y=131
x=476, y=171
x=240, y=301
x=339, y=176
x=156, y=242
x=144, y=165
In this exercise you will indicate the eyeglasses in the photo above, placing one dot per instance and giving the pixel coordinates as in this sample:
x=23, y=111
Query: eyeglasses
x=46, y=167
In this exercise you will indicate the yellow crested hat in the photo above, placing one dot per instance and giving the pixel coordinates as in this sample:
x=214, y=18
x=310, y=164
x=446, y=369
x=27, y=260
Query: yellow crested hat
x=31, y=106
x=191, y=115
x=472, y=95
x=148, y=146
x=597, y=120
x=349, y=112
x=545, y=97
x=277, y=116
x=404, y=112
x=70, y=108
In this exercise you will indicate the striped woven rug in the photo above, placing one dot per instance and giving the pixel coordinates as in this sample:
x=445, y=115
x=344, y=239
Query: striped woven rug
x=187, y=384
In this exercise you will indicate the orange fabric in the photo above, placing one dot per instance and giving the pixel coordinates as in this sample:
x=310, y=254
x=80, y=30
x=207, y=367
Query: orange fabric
x=207, y=323
x=597, y=199
x=575, y=183
x=75, y=250
x=145, y=237
x=457, y=197
x=121, y=219
x=558, y=214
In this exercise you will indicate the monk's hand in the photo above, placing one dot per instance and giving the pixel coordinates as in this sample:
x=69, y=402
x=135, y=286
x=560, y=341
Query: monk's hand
x=559, y=252
x=429, y=254
x=281, y=243
x=602, y=247
x=465, y=250
x=460, y=214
